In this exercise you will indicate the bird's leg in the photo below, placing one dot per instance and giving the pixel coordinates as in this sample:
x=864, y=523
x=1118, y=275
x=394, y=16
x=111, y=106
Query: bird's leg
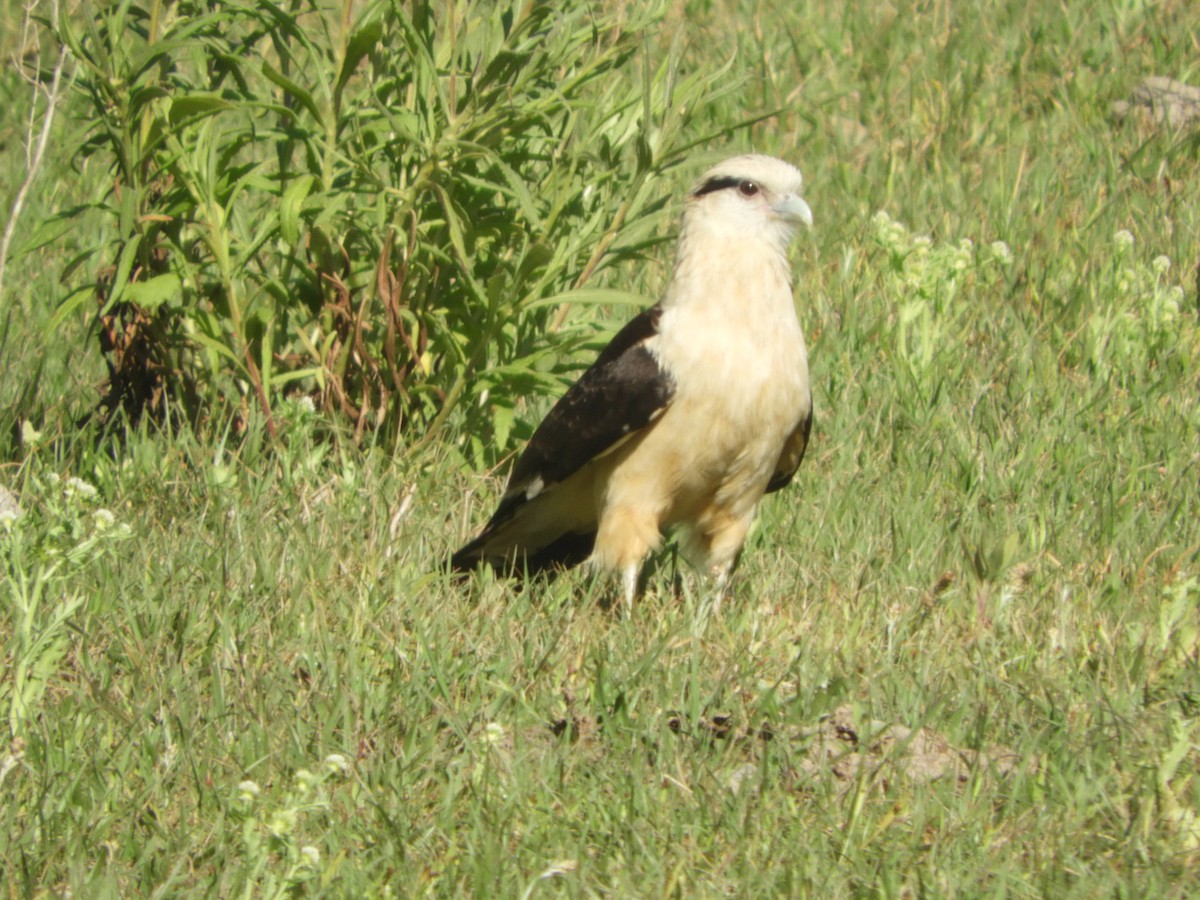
x=716, y=549
x=629, y=577
x=720, y=581
x=626, y=536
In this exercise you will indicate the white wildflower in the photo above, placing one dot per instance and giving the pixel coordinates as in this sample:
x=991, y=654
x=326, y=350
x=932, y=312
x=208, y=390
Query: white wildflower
x=103, y=519
x=77, y=487
x=282, y=823
x=1124, y=241
x=962, y=256
x=1165, y=305
x=1002, y=253
x=335, y=762
x=29, y=435
x=310, y=855
x=248, y=791
x=1161, y=264
x=493, y=733
x=888, y=232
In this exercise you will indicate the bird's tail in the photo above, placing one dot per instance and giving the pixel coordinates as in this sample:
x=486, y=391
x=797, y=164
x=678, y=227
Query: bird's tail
x=564, y=552
x=470, y=556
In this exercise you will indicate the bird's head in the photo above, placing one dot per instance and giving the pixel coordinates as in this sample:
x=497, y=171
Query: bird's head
x=750, y=196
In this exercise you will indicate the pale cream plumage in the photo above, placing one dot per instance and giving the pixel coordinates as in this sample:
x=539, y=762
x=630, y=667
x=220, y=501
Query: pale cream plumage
x=698, y=407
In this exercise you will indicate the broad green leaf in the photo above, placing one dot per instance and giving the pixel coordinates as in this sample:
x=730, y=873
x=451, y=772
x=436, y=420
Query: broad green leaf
x=129, y=253
x=315, y=372
x=74, y=302
x=360, y=44
x=503, y=416
x=188, y=107
x=45, y=232
x=290, y=206
x=218, y=347
x=155, y=292
x=293, y=88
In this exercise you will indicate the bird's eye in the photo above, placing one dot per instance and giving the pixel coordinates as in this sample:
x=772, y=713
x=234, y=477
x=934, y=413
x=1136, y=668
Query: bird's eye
x=748, y=189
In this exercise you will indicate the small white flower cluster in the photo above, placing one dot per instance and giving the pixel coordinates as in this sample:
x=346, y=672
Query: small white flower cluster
x=60, y=518
x=273, y=833
x=299, y=406
x=1148, y=283
x=336, y=764
x=927, y=278
x=889, y=233
x=932, y=269
x=491, y=755
x=494, y=734
x=75, y=488
x=1138, y=314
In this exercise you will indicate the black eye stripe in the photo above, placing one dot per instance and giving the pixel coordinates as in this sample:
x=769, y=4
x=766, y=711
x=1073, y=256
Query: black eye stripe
x=718, y=184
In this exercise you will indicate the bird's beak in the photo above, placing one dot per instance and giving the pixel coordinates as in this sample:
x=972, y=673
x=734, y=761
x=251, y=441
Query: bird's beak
x=792, y=208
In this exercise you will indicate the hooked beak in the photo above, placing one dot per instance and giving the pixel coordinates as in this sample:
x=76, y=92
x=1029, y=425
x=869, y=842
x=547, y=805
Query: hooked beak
x=794, y=210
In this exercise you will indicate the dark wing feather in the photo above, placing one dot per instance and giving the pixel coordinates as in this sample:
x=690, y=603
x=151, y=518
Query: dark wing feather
x=622, y=392
x=792, y=454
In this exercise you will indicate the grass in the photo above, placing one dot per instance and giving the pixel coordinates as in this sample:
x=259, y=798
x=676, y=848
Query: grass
x=255, y=679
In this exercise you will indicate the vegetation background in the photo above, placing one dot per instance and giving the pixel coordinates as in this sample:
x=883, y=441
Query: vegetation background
x=284, y=286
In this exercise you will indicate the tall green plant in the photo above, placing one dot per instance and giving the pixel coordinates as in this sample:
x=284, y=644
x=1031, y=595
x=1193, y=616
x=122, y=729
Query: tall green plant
x=370, y=208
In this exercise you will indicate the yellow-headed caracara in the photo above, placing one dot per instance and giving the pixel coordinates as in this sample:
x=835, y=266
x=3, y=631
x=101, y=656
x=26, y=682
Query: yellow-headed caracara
x=698, y=406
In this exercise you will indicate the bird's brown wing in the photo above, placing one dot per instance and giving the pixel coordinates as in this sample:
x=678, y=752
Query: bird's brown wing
x=623, y=391
x=792, y=454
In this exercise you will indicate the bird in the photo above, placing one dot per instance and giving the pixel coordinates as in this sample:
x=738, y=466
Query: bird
x=698, y=406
